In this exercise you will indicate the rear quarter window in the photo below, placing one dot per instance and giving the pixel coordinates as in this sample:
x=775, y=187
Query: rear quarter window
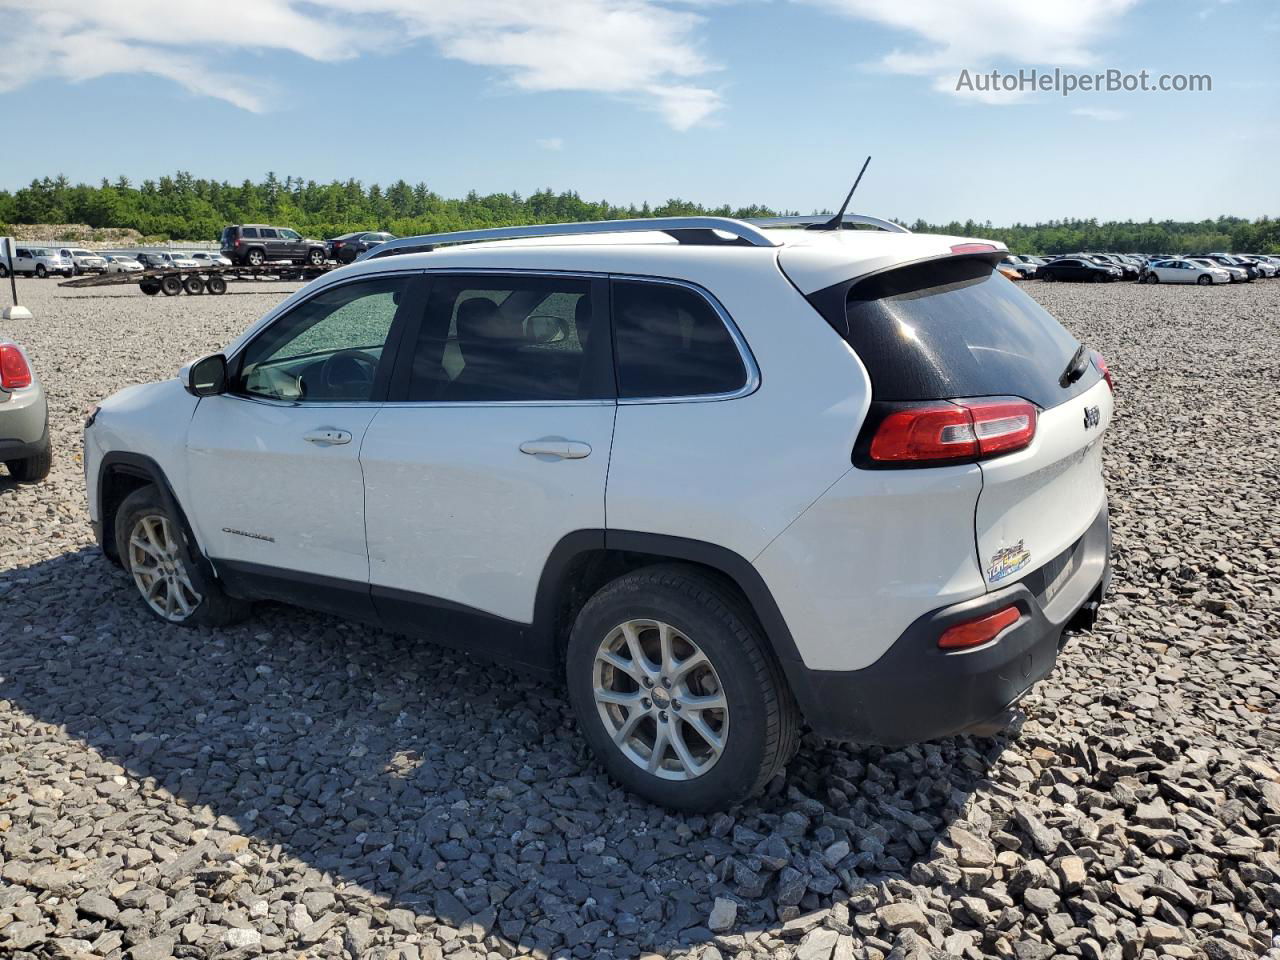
x=669, y=341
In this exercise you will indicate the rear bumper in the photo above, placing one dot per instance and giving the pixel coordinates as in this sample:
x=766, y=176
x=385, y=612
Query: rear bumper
x=917, y=692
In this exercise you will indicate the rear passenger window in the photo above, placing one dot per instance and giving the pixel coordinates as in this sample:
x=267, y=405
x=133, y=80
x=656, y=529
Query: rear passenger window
x=503, y=339
x=249, y=233
x=269, y=234
x=671, y=342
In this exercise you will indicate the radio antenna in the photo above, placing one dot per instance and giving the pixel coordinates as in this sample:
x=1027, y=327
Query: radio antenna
x=837, y=222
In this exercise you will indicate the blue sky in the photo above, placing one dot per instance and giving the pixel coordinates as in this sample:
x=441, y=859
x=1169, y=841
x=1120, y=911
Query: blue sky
x=719, y=101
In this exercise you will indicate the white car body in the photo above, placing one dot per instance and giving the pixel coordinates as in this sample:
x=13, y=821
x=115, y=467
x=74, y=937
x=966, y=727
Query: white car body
x=37, y=261
x=84, y=261
x=1234, y=274
x=845, y=564
x=119, y=263
x=1189, y=271
x=208, y=259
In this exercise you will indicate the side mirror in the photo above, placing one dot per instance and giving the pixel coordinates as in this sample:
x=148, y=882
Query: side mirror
x=207, y=377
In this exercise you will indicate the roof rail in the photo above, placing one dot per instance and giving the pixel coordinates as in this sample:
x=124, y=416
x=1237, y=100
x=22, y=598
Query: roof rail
x=694, y=230
x=817, y=220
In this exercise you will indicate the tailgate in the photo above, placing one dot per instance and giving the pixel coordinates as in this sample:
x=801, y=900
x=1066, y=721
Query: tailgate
x=1036, y=503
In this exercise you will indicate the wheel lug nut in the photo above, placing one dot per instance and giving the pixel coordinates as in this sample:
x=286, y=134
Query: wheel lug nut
x=663, y=716
x=666, y=683
x=647, y=703
x=648, y=682
x=675, y=704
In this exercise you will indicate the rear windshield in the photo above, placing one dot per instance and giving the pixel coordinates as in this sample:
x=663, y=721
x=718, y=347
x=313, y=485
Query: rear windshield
x=957, y=328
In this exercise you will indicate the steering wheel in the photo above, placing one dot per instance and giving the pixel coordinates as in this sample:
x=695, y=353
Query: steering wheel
x=347, y=368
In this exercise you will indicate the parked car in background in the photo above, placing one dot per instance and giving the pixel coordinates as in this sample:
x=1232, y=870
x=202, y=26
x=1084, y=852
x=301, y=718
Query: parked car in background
x=254, y=244
x=39, y=262
x=166, y=260
x=512, y=490
x=120, y=263
x=1127, y=270
x=1236, y=274
x=84, y=261
x=349, y=246
x=1016, y=268
x=1228, y=260
x=206, y=259
x=1265, y=267
x=1080, y=270
x=1186, y=271
x=24, y=416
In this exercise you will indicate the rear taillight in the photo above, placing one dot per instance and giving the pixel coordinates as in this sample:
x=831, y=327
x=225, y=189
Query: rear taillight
x=974, y=633
x=14, y=371
x=960, y=248
x=1104, y=370
x=954, y=430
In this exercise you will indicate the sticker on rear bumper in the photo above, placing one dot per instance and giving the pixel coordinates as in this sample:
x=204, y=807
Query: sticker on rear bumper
x=1007, y=561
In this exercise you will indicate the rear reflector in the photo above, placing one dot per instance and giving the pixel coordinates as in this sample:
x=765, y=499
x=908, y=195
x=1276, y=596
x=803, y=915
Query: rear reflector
x=973, y=248
x=14, y=372
x=1104, y=370
x=954, y=430
x=974, y=633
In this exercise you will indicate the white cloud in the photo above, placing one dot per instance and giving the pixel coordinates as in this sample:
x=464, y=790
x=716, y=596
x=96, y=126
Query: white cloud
x=982, y=34
x=1099, y=113
x=551, y=143
x=640, y=51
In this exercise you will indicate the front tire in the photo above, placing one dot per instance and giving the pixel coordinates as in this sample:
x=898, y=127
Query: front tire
x=676, y=692
x=41, y=272
x=153, y=548
x=1204, y=280
x=32, y=468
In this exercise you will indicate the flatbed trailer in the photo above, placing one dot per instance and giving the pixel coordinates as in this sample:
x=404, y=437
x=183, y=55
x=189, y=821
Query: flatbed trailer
x=212, y=280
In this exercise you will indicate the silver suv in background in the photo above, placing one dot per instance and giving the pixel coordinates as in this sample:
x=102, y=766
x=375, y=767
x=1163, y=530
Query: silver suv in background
x=24, y=417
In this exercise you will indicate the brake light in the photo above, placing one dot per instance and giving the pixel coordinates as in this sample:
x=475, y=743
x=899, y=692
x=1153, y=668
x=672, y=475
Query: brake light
x=14, y=371
x=954, y=430
x=1104, y=370
x=973, y=248
x=974, y=633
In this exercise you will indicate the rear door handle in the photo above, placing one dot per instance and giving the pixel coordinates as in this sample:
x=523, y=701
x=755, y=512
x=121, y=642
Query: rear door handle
x=556, y=448
x=327, y=436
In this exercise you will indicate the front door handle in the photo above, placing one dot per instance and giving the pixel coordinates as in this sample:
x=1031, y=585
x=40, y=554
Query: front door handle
x=556, y=448
x=327, y=436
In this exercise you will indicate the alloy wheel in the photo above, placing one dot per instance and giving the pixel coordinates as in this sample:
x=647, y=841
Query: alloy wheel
x=661, y=702
x=155, y=561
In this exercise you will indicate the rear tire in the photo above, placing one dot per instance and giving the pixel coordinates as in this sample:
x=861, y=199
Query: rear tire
x=32, y=468
x=155, y=551
x=149, y=287
x=1152, y=278
x=4, y=271
x=315, y=257
x=193, y=285
x=626, y=708
x=170, y=286
x=255, y=258
x=216, y=286
x=1048, y=277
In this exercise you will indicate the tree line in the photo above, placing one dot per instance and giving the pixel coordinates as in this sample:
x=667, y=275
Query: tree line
x=183, y=207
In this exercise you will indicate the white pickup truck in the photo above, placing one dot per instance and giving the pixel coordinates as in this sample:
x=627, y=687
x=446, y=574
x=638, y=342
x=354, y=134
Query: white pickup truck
x=40, y=261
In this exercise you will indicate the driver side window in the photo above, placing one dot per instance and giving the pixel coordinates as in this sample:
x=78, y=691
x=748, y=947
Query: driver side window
x=327, y=348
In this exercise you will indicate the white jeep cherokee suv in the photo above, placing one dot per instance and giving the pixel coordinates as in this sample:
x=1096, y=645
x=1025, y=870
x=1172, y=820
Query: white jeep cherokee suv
x=726, y=478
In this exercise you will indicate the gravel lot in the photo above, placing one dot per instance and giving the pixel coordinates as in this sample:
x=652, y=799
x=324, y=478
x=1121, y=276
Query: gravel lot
x=300, y=785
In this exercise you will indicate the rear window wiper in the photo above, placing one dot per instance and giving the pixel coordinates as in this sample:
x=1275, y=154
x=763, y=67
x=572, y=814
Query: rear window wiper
x=1076, y=367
